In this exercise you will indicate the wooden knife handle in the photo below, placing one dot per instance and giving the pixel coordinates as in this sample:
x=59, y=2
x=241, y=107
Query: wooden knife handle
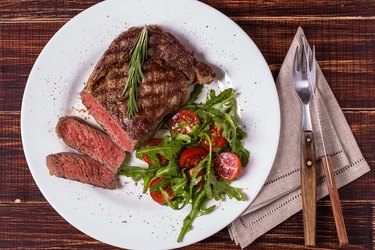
x=335, y=202
x=308, y=187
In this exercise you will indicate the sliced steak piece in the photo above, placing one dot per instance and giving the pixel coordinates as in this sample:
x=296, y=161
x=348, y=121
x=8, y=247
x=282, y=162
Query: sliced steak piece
x=93, y=142
x=168, y=71
x=81, y=168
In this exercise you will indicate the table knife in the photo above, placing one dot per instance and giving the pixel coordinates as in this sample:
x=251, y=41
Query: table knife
x=330, y=178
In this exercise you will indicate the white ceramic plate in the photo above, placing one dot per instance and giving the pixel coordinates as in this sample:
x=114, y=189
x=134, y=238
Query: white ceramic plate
x=126, y=217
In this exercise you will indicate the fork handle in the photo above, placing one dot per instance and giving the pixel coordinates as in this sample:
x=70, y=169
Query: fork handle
x=308, y=187
x=335, y=202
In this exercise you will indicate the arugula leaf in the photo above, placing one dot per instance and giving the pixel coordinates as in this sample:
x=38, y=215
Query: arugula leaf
x=242, y=153
x=221, y=188
x=194, y=94
x=167, y=148
x=180, y=189
x=169, y=171
x=137, y=173
x=179, y=186
x=223, y=97
x=197, y=209
x=183, y=137
x=196, y=179
x=239, y=149
x=240, y=134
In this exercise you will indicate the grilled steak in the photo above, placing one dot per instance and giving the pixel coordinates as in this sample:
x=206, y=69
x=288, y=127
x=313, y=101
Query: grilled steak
x=168, y=70
x=78, y=134
x=81, y=168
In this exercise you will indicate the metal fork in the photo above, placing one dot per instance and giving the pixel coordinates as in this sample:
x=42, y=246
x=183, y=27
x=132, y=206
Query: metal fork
x=304, y=85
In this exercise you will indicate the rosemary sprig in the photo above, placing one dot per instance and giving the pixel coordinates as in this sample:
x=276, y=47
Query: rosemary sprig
x=135, y=75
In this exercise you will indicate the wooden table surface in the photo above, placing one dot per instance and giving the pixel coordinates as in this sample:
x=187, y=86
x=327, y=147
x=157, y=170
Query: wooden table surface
x=344, y=33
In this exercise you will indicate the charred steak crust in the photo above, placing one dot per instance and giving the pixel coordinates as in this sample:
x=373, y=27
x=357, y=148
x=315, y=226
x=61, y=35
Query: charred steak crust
x=91, y=141
x=80, y=168
x=168, y=71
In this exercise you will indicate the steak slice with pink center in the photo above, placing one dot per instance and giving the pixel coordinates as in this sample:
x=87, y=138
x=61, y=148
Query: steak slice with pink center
x=81, y=168
x=91, y=141
x=168, y=71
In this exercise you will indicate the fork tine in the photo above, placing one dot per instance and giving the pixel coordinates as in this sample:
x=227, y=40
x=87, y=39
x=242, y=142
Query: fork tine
x=304, y=64
x=306, y=53
x=295, y=63
x=313, y=69
x=301, y=59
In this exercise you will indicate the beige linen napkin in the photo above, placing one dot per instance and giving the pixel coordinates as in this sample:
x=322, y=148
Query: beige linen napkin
x=280, y=196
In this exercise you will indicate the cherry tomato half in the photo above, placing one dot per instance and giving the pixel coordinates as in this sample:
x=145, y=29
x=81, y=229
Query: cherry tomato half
x=190, y=157
x=217, y=139
x=158, y=196
x=147, y=159
x=183, y=121
x=227, y=166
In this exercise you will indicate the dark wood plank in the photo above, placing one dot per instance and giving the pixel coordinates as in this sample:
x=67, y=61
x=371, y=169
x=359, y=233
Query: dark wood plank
x=20, y=46
x=345, y=51
x=42, y=9
x=64, y=9
x=38, y=226
x=15, y=176
x=10, y=123
x=363, y=128
x=283, y=8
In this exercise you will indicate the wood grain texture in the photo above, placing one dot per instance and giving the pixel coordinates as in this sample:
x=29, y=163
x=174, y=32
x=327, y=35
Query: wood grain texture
x=308, y=187
x=344, y=33
x=335, y=202
x=20, y=47
x=38, y=226
x=42, y=9
x=294, y=8
x=345, y=53
x=65, y=9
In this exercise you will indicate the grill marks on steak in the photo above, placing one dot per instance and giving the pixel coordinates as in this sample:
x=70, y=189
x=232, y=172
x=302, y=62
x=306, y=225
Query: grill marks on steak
x=81, y=168
x=78, y=134
x=168, y=71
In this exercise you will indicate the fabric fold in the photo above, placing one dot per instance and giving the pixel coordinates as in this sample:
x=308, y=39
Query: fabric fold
x=280, y=196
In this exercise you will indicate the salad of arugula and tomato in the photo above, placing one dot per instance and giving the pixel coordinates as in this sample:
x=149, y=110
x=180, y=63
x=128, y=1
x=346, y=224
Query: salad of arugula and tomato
x=199, y=158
